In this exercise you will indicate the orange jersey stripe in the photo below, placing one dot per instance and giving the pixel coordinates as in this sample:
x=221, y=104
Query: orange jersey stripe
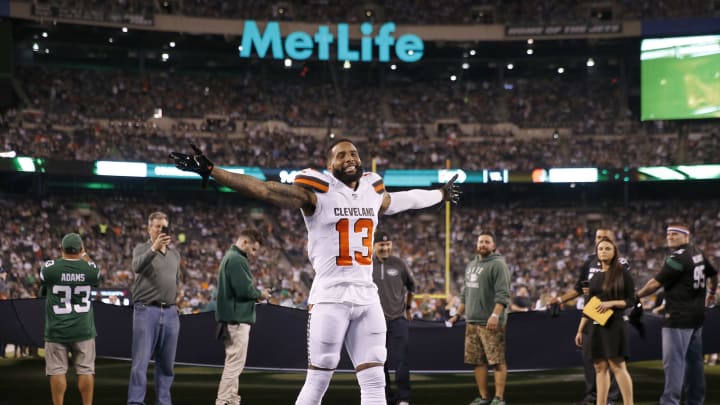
x=379, y=186
x=304, y=181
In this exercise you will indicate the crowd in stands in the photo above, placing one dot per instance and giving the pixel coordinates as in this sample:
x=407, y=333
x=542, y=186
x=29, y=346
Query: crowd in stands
x=593, y=106
x=544, y=246
x=403, y=147
x=104, y=115
x=91, y=114
x=417, y=12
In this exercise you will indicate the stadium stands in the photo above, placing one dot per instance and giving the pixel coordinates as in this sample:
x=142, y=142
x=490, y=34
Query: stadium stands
x=96, y=111
x=456, y=12
x=544, y=247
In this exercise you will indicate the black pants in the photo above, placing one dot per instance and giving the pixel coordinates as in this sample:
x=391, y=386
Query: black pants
x=397, y=346
x=590, y=388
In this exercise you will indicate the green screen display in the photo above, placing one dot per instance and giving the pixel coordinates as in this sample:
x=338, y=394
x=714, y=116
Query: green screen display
x=680, y=78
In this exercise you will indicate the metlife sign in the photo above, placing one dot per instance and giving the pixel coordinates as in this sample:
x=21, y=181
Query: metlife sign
x=300, y=45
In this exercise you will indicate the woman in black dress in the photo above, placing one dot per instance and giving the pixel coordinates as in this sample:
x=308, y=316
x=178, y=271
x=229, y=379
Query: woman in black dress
x=615, y=289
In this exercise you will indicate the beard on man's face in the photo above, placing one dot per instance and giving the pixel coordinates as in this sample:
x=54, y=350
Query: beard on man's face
x=348, y=178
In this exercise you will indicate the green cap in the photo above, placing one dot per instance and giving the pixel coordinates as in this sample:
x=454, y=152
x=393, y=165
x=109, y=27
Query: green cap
x=72, y=243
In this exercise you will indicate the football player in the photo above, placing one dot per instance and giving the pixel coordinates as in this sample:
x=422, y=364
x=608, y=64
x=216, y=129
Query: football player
x=341, y=210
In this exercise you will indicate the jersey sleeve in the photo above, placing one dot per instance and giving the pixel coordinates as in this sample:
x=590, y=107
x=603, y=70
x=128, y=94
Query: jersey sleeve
x=710, y=270
x=94, y=272
x=46, y=276
x=312, y=180
x=377, y=182
x=672, y=268
x=582, y=276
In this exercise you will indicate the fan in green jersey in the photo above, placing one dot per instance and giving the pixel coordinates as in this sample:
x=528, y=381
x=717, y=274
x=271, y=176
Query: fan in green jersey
x=69, y=325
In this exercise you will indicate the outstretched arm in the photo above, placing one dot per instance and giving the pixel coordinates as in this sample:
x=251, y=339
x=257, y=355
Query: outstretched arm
x=281, y=195
x=394, y=203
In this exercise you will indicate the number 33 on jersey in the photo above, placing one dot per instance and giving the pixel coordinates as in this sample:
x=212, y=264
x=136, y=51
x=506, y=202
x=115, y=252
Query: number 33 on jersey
x=67, y=285
x=340, y=231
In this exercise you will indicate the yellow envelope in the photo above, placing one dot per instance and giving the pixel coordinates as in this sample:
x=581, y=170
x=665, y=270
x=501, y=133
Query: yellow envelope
x=590, y=310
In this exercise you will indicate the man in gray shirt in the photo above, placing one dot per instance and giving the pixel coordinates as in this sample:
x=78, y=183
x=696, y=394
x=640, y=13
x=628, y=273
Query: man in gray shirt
x=156, y=324
x=395, y=287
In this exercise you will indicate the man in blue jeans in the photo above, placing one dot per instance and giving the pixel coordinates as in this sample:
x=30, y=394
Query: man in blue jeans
x=396, y=287
x=156, y=323
x=690, y=282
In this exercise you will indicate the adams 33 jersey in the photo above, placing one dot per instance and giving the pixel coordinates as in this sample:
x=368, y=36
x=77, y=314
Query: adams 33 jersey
x=340, y=236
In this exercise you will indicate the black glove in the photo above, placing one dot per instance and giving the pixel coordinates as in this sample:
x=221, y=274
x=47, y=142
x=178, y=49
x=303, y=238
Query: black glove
x=554, y=309
x=451, y=191
x=635, y=317
x=197, y=163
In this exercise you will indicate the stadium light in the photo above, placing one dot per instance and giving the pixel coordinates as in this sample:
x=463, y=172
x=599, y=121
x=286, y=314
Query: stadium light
x=472, y=52
x=172, y=44
x=44, y=34
x=561, y=70
x=287, y=63
x=25, y=164
x=165, y=57
x=111, y=40
x=466, y=66
x=453, y=78
x=125, y=169
x=346, y=64
x=573, y=175
x=590, y=62
x=240, y=48
x=36, y=47
x=530, y=41
x=47, y=50
x=393, y=67
x=529, y=52
x=510, y=66
x=124, y=29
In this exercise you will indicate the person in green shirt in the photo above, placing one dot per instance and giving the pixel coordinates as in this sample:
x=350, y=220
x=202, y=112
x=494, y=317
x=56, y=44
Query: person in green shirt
x=484, y=300
x=235, y=311
x=69, y=324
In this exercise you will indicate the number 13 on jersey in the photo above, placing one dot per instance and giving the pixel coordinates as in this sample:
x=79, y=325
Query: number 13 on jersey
x=359, y=227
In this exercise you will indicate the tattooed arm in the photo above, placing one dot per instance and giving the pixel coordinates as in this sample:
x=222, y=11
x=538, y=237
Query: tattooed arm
x=278, y=194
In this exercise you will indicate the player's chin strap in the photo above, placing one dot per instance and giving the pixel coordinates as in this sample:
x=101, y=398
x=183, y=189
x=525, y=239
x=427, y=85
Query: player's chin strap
x=413, y=200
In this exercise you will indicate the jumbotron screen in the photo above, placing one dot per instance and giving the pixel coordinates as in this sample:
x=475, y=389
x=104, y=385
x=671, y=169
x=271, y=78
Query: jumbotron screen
x=680, y=78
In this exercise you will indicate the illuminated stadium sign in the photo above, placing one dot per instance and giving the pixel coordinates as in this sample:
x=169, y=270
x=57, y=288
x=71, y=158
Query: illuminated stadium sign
x=300, y=45
x=393, y=177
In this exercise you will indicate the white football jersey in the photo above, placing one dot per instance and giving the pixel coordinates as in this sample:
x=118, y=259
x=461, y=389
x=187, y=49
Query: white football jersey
x=340, y=236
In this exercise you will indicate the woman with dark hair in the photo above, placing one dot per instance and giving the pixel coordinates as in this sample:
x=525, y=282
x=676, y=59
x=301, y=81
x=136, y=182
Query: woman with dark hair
x=615, y=289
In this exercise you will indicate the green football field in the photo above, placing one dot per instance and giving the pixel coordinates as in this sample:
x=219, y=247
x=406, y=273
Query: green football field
x=23, y=382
